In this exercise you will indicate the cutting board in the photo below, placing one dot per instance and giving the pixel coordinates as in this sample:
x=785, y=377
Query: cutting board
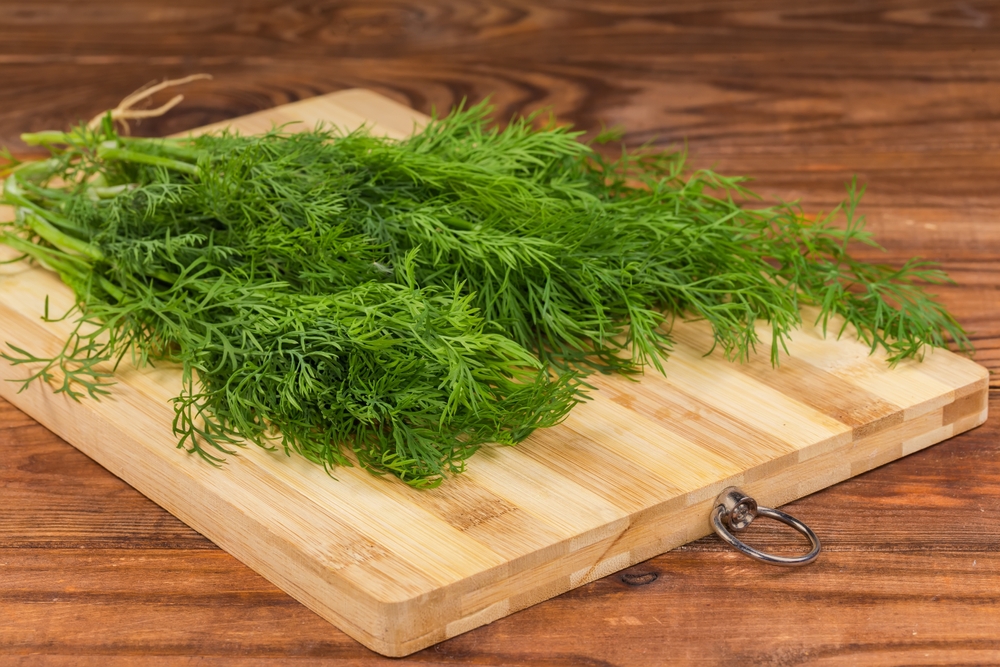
x=629, y=475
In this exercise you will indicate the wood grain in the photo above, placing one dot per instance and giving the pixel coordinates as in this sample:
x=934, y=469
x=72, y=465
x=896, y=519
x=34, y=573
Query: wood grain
x=802, y=96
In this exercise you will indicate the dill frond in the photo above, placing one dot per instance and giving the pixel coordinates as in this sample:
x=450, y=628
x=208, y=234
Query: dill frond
x=409, y=301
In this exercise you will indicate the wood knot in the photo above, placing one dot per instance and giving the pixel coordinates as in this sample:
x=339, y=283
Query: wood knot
x=640, y=578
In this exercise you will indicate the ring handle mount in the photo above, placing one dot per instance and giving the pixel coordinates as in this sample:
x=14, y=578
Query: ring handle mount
x=735, y=511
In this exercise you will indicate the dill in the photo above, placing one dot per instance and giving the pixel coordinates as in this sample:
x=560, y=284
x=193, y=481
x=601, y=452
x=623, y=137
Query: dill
x=410, y=301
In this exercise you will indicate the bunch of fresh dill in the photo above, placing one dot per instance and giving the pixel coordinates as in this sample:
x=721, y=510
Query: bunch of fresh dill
x=412, y=300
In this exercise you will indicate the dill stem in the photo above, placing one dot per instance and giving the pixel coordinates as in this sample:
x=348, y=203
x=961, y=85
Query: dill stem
x=106, y=192
x=43, y=255
x=144, y=158
x=112, y=289
x=13, y=192
x=61, y=240
x=45, y=138
x=169, y=146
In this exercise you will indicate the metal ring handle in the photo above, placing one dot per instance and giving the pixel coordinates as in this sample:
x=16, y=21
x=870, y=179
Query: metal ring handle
x=735, y=509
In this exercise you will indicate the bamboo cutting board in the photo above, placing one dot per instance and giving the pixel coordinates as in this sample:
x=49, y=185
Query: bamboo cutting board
x=629, y=475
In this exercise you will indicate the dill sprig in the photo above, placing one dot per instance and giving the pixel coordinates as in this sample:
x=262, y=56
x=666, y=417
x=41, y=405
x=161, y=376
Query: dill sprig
x=410, y=301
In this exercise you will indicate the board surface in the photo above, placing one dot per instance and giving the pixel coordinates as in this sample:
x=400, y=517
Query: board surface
x=630, y=474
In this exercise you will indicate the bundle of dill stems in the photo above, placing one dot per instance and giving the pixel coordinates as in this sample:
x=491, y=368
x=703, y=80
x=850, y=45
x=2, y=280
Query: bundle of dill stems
x=410, y=301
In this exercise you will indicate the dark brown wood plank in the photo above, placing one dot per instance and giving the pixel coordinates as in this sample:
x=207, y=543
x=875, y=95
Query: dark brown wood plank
x=903, y=94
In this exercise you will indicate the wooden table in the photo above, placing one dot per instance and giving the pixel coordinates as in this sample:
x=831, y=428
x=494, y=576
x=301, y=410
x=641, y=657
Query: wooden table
x=905, y=95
